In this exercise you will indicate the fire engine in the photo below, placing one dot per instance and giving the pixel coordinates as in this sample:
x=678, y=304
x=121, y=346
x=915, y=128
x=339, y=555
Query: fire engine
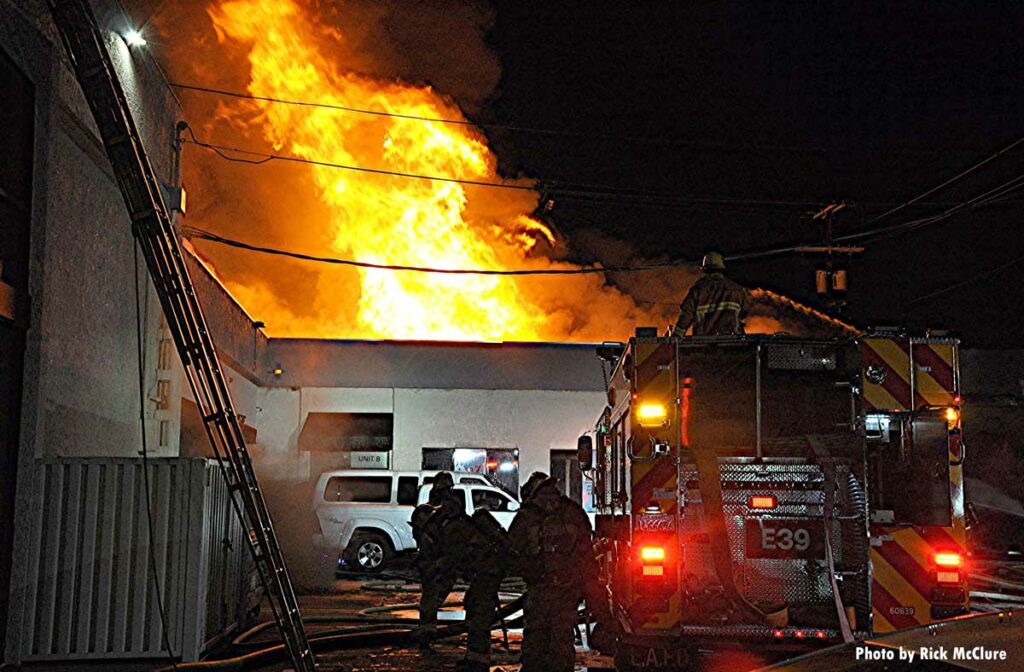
x=777, y=492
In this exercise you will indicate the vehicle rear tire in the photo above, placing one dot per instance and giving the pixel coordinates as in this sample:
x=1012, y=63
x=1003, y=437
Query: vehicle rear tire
x=368, y=552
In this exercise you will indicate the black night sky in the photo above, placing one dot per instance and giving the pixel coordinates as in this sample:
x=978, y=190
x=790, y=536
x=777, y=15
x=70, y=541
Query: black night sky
x=748, y=116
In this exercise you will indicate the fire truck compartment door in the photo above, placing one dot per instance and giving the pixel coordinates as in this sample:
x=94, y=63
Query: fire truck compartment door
x=919, y=483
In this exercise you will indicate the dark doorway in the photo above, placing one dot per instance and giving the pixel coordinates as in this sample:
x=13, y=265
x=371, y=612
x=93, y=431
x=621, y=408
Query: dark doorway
x=566, y=468
x=17, y=117
x=347, y=441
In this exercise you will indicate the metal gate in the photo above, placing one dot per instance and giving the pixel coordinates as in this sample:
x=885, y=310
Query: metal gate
x=89, y=589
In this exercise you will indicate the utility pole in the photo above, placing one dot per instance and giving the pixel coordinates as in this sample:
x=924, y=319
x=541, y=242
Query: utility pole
x=830, y=276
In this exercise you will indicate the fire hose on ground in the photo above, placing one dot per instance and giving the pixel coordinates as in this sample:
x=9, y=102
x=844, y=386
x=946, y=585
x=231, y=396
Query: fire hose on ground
x=367, y=619
x=997, y=593
x=374, y=631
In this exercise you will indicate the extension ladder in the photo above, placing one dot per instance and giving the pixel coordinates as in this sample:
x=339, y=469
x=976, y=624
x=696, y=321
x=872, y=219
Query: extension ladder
x=154, y=232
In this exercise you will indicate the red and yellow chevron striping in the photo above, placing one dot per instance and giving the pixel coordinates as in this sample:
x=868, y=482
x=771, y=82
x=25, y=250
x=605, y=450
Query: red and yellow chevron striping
x=903, y=574
x=891, y=383
x=655, y=380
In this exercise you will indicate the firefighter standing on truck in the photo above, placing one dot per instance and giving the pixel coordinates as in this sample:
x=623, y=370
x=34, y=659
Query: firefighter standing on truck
x=715, y=305
x=553, y=546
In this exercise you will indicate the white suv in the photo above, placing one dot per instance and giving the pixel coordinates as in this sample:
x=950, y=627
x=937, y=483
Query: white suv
x=364, y=514
x=474, y=497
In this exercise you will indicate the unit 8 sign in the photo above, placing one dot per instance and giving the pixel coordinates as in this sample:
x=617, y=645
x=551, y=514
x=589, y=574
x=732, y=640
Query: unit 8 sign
x=784, y=538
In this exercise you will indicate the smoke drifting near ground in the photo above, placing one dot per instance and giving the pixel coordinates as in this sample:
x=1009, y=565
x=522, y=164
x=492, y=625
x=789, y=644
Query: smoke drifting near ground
x=294, y=514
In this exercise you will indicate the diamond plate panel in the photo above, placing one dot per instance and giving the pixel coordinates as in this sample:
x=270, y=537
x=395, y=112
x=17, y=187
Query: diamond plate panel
x=801, y=357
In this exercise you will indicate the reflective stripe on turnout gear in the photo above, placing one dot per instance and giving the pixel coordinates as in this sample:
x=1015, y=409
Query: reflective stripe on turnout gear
x=703, y=310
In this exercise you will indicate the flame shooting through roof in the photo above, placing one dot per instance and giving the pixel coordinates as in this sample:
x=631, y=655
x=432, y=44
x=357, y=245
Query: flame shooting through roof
x=395, y=220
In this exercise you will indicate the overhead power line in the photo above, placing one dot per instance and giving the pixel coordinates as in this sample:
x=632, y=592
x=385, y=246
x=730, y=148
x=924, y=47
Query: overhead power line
x=649, y=139
x=654, y=138
x=265, y=157
x=346, y=108
x=212, y=237
x=874, y=235
x=570, y=190
x=948, y=182
x=978, y=201
x=971, y=280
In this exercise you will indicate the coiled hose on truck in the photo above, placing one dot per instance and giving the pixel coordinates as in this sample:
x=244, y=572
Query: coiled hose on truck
x=335, y=640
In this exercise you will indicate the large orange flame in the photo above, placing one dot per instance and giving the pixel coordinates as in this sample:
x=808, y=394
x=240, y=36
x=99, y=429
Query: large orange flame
x=395, y=220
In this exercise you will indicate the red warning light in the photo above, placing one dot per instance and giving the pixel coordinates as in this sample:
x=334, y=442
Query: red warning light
x=762, y=502
x=652, y=553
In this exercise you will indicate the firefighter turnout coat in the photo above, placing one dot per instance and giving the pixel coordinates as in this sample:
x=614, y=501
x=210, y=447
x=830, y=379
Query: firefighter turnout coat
x=715, y=305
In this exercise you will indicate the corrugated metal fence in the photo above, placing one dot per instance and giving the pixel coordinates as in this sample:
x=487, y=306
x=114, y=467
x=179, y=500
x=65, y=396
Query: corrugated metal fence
x=89, y=586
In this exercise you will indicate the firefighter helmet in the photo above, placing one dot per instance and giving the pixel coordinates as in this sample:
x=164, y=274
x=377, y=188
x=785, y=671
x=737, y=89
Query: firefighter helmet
x=713, y=261
x=443, y=480
x=532, y=483
x=441, y=487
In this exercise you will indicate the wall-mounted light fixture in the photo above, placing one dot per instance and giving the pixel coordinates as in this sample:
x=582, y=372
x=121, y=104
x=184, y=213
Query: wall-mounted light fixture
x=133, y=38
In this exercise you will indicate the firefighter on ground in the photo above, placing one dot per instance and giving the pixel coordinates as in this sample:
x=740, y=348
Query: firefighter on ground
x=437, y=573
x=553, y=548
x=715, y=305
x=475, y=549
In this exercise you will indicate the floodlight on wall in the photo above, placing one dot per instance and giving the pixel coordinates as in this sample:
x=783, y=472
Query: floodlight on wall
x=133, y=38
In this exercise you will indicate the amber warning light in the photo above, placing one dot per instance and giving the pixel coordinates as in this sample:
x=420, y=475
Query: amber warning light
x=651, y=415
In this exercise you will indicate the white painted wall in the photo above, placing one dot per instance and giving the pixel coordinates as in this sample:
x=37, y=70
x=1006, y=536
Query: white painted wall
x=81, y=378
x=534, y=421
